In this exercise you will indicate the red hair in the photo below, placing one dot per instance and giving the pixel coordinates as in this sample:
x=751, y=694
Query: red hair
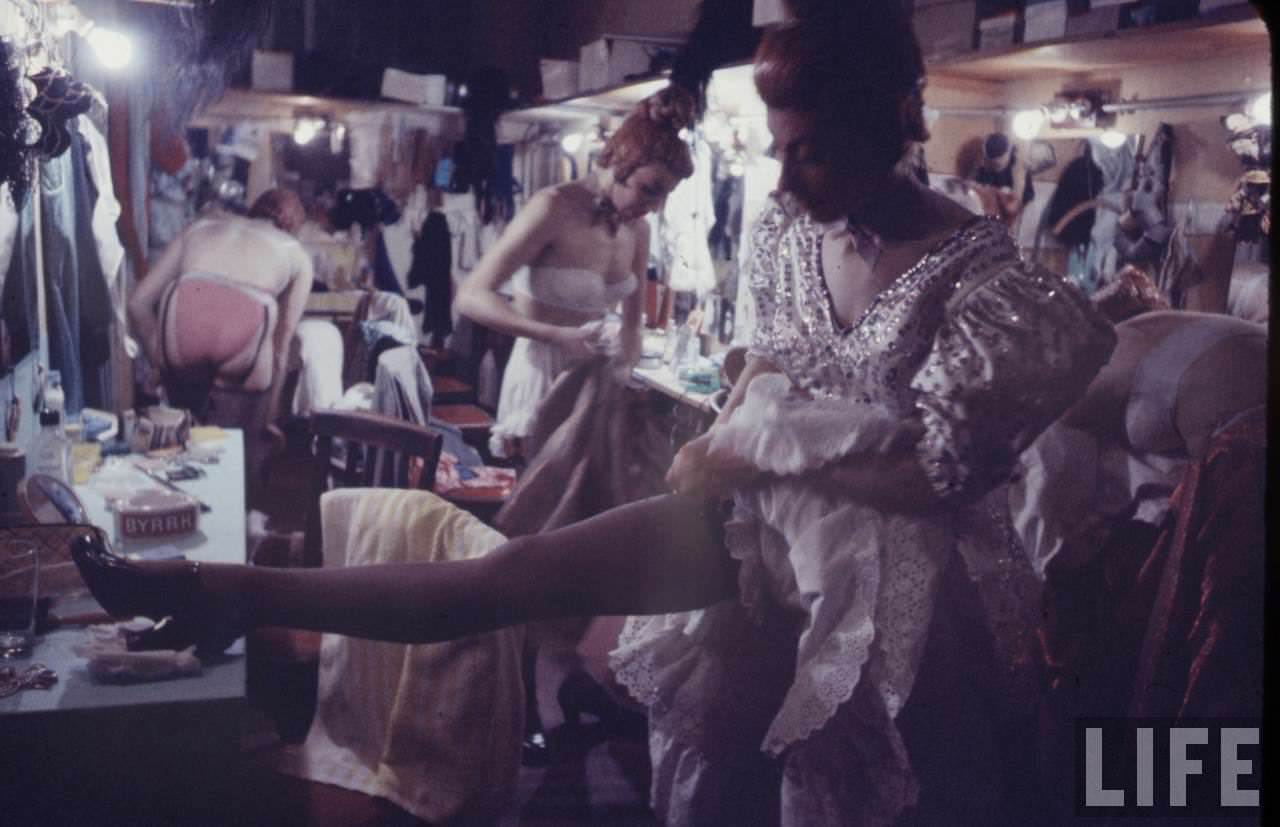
x=854, y=64
x=281, y=207
x=651, y=135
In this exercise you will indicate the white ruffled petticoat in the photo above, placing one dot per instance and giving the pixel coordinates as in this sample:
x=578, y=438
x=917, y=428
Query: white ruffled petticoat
x=859, y=582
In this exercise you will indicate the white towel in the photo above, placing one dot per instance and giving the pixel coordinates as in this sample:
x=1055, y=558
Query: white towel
x=434, y=728
x=321, y=352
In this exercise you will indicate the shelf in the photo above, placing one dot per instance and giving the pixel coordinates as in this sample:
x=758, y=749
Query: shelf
x=1228, y=31
x=251, y=104
x=613, y=100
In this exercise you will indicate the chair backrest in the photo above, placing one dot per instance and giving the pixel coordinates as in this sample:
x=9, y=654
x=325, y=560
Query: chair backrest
x=363, y=449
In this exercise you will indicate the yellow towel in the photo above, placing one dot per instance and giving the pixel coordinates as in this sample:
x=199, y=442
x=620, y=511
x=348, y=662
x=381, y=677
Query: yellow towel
x=434, y=728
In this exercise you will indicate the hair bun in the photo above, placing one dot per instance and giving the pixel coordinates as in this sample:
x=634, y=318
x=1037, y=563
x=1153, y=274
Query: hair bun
x=672, y=107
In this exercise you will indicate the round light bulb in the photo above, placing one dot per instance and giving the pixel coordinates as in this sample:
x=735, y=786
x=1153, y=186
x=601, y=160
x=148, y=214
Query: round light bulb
x=571, y=143
x=1028, y=123
x=1113, y=139
x=305, y=131
x=113, y=49
x=1260, y=109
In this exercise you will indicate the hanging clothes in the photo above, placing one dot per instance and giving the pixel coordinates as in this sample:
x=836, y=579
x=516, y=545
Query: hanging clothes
x=432, y=268
x=686, y=224
x=1117, y=166
x=79, y=309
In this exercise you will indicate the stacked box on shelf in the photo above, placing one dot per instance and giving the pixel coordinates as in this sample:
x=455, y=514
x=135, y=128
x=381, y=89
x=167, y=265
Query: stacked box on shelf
x=945, y=28
x=1207, y=6
x=997, y=23
x=1044, y=20
x=1151, y=12
x=559, y=78
x=1093, y=17
x=610, y=61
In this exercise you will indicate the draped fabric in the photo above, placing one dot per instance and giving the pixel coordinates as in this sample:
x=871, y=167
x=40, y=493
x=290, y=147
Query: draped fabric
x=1165, y=622
x=595, y=447
x=79, y=307
x=432, y=268
x=434, y=728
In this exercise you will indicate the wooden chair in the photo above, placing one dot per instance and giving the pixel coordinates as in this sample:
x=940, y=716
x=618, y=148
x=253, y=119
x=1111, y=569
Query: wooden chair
x=351, y=449
x=362, y=449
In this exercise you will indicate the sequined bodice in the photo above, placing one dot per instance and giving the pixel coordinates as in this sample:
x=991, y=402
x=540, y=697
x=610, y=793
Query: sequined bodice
x=875, y=359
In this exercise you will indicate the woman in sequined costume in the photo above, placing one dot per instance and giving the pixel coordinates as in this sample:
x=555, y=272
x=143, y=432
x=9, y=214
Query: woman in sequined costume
x=845, y=612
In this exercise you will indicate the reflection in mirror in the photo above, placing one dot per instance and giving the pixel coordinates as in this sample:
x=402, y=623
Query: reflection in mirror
x=48, y=500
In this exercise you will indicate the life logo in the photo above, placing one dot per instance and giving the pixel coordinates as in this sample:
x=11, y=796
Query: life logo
x=1146, y=767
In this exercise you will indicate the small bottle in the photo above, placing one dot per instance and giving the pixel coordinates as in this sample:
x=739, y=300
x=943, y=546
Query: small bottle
x=51, y=453
x=55, y=398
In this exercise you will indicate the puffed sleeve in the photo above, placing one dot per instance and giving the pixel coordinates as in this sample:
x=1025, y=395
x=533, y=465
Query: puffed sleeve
x=762, y=277
x=1016, y=348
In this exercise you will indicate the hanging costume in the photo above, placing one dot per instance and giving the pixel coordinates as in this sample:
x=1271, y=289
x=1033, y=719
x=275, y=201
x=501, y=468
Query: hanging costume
x=1196, y=522
x=837, y=716
x=432, y=268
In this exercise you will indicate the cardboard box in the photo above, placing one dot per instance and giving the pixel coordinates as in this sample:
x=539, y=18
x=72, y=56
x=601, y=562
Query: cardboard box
x=999, y=32
x=1207, y=6
x=1094, y=22
x=768, y=12
x=272, y=71
x=559, y=78
x=424, y=90
x=1044, y=20
x=946, y=29
x=609, y=61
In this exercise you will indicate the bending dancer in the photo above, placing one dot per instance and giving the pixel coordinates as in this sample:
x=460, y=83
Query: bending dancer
x=1156, y=476
x=219, y=334
x=573, y=253
x=839, y=667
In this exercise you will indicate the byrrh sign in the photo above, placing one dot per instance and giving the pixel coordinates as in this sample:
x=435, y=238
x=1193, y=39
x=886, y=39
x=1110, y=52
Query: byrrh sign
x=158, y=525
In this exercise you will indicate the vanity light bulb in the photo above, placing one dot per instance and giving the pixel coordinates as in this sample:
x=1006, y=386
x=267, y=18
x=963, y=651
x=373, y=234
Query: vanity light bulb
x=1058, y=113
x=1028, y=123
x=571, y=143
x=1260, y=109
x=113, y=49
x=1113, y=139
x=305, y=131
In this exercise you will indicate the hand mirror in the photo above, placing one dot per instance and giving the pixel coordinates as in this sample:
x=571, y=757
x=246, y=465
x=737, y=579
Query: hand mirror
x=46, y=499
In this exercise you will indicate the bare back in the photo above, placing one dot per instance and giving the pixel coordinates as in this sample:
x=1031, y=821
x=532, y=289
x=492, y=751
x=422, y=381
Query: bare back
x=248, y=251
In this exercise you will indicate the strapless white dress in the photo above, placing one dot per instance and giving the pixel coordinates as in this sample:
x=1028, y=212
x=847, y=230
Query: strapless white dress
x=534, y=365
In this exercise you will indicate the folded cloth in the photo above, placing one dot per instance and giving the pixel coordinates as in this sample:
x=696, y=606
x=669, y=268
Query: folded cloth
x=111, y=662
x=784, y=432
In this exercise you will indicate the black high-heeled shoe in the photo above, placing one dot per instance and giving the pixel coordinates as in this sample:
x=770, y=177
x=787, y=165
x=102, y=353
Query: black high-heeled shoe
x=199, y=619
x=581, y=693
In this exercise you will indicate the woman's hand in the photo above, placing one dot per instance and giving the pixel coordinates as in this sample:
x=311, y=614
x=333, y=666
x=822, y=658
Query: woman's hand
x=580, y=342
x=697, y=472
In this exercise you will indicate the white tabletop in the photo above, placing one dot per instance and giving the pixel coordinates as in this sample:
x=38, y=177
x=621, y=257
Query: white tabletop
x=664, y=380
x=220, y=538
